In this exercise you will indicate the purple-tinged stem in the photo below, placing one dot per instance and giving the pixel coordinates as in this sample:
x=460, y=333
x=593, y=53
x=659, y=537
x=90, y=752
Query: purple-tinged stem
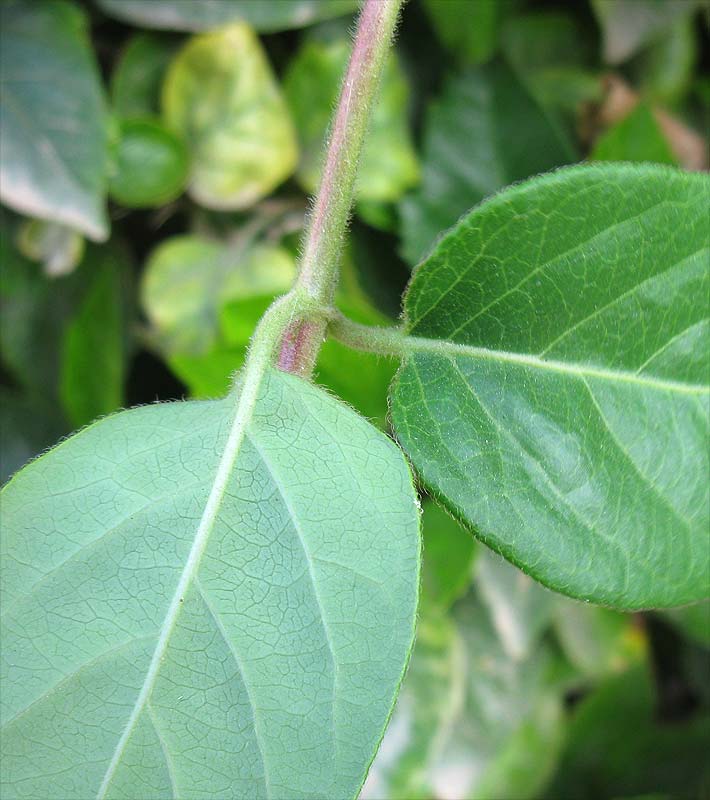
x=318, y=275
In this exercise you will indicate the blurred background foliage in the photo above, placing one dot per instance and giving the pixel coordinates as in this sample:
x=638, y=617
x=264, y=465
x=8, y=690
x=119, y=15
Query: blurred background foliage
x=156, y=162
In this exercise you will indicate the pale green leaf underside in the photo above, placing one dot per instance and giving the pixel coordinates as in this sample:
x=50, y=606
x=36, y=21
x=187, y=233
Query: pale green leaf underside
x=556, y=396
x=284, y=638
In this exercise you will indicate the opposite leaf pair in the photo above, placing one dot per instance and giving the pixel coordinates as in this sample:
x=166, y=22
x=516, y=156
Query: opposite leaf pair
x=203, y=602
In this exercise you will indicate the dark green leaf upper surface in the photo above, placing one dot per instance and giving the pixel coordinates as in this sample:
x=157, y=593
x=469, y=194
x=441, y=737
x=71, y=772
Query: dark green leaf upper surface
x=556, y=397
x=53, y=124
x=188, y=613
x=474, y=144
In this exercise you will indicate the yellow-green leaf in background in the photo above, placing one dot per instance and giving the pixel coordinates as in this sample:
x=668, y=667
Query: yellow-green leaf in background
x=221, y=96
x=189, y=279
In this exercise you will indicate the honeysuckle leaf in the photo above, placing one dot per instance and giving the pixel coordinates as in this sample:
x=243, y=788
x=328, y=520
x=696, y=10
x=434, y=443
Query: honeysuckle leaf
x=201, y=15
x=598, y=641
x=618, y=747
x=449, y=556
x=473, y=146
x=221, y=96
x=198, y=602
x=555, y=394
x=63, y=338
x=427, y=707
x=54, y=124
x=636, y=137
x=470, y=31
x=627, y=25
x=138, y=75
x=151, y=164
x=520, y=609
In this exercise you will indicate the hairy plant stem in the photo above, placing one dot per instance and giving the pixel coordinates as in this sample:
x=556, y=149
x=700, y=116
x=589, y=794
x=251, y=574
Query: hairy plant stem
x=327, y=223
x=369, y=338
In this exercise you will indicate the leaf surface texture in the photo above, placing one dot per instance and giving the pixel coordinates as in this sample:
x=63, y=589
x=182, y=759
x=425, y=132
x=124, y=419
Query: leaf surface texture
x=557, y=398
x=161, y=639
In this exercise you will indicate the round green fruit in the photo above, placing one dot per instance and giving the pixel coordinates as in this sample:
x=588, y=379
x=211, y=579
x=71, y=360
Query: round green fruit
x=151, y=166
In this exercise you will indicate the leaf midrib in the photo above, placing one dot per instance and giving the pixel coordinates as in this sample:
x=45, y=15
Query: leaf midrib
x=451, y=350
x=237, y=432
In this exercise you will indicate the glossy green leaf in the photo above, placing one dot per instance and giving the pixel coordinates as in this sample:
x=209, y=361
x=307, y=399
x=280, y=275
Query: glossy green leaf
x=388, y=165
x=200, y=15
x=637, y=137
x=618, y=748
x=221, y=96
x=469, y=30
x=151, y=166
x=53, y=125
x=556, y=397
x=449, y=553
x=138, y=76
x=232, y=617
x=627, y=25
x=474, y=145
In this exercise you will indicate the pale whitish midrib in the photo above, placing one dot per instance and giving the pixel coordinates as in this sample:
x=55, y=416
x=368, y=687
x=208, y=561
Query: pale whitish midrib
x=245, y=408
x=418, y=344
